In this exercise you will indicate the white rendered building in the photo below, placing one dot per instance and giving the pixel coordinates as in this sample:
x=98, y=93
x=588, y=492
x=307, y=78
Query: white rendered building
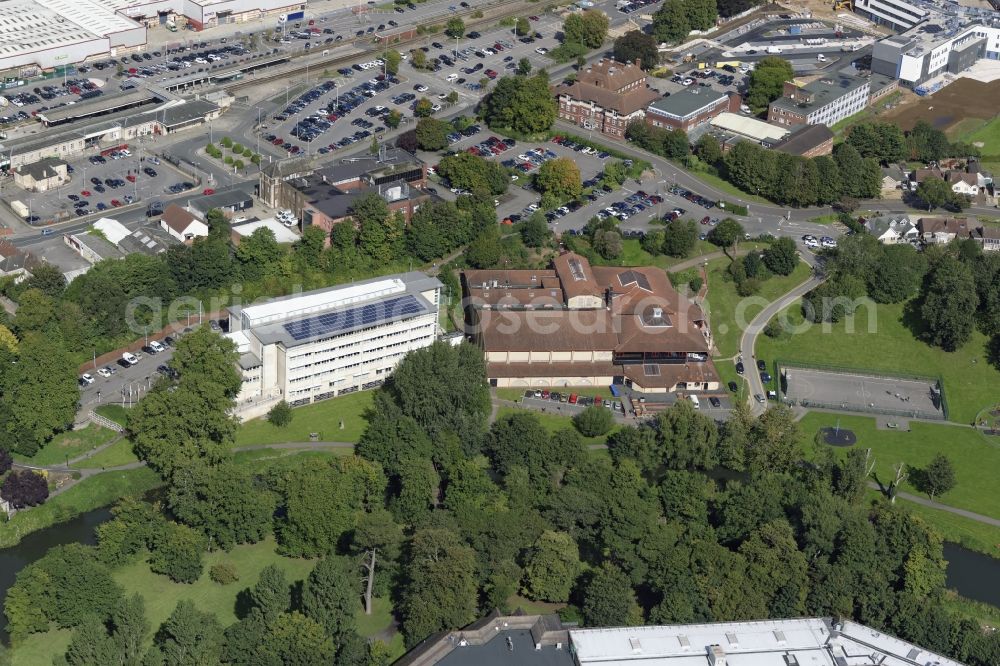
x=329, y=342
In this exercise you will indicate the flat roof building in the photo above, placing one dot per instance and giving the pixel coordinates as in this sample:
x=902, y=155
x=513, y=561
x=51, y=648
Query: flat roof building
x=542, y=640
x=282, y=234
x=826, y=100
x=583, y=325
x=329, y=342
x=749, y=128
x=690, y=108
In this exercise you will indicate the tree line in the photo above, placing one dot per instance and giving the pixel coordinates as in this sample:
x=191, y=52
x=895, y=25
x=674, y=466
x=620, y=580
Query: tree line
x=451, y=516
x=955, y=288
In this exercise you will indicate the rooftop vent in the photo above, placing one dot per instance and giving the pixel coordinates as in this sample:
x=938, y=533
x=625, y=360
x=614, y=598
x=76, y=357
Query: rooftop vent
x=779, y=636
x=682, y=639
x=732, y=639
x=634, y=643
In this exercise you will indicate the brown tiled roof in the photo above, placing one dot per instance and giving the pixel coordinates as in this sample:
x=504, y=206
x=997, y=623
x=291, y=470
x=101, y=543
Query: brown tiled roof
x=548, y=330
x=177, y=218
x=611, y=75
x=576, y=276
x=604, y=83
x=991, y=233
x=967, y=178
x=948, y=225
x=670, y=374
x=596, y=369
x=921, y=174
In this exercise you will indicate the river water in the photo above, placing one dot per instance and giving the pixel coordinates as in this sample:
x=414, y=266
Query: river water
x=35, y=545
x=971, y=574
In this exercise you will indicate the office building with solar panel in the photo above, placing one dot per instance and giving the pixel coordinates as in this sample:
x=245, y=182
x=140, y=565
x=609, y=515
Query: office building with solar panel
x=582, y=325
x=330, y=342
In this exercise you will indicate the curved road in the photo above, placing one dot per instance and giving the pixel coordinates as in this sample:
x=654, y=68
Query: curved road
x=749, y=339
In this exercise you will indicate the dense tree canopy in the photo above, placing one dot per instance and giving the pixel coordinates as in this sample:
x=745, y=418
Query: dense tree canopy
x=767, y=81
x=635, y=46
x=521, y=103
x=588, y=28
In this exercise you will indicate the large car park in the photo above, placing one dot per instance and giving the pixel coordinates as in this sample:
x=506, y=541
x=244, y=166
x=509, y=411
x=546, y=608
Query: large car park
x=103, y=182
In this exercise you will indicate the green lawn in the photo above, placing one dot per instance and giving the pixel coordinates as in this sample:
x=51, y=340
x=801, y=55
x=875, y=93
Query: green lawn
x=986, y=132
x=69, y=444
x=119, y=453
x=634, y=255
x=974, y=460
x=723, y=303
x=161, y=596
x=322, y=417
x=974, y=535
x=116, y=413
x=555, y=423
x=97, y=491
x=726, y=187
x=727, y=373
x=970, y=383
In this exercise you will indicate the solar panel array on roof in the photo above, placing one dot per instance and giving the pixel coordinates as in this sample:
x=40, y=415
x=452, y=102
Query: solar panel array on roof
x=634, y=277
x=343, y=320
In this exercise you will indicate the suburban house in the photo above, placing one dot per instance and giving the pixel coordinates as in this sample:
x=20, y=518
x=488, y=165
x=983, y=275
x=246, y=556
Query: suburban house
x=988, y=237
x=920, y=175
x=606, y=96
x=943, y=229
x=92, y=247
x=807, y=141
x=582, y=325
x=894, y=177
x=15, y=262
x=892, y=229
x=690, y=108
x=182, y=224
x=963, y=183
x=41, y=176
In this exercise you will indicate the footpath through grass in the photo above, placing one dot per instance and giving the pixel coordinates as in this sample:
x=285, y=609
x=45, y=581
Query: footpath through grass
x=119, y=453
x=97, y=491
x=322, y=417
x=970, y=382
x=730, y=313
x=68, y=445
x=975, y=461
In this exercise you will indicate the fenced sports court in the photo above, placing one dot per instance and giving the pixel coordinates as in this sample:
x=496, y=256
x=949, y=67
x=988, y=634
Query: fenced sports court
x=855, y=390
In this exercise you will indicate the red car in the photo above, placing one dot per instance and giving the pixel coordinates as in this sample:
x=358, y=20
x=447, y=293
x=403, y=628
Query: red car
x=490, y=73
x=116, y=203
x=705, y=220
x=208, y=190
x=85, y=193
x=130, y=178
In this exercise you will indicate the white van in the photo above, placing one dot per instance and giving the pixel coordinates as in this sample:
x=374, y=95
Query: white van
x=156, y=346
x=129, y=358
x=694, y=401
x=125, y=153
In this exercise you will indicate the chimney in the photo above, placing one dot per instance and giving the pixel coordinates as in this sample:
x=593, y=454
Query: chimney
x=657, y=313
x=638, y=63
x=788, y=89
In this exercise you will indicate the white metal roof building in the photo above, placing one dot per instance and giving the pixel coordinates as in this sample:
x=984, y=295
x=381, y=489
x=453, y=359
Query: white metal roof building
x=751, y=128
x=800, y=642
x=334, y=341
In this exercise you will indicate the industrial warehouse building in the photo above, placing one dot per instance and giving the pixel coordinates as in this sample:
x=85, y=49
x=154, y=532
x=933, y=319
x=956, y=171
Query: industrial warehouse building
x=542, y=640
x=40, y=35
x=583, y=325
x=330, y=342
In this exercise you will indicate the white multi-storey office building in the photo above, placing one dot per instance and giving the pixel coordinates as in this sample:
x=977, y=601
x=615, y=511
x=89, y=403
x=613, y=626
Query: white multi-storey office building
x=330, y=342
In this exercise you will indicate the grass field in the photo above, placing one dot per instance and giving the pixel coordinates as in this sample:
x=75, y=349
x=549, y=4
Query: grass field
x=970, y=383
x=161, y=596
x=555, y=423
x=727, y=373
x=97, y=491
x=116, y=413
x=974, y=460
x=724, y=302
x=972, y=534
x=69, y=445
x=119, y=453
x=322, y=417
x=975, y=130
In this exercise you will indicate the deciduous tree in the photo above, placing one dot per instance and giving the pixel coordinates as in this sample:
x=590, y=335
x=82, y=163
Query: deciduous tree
x=608, y=599
x=636, y=46
x=551, y=567
x=440, y=588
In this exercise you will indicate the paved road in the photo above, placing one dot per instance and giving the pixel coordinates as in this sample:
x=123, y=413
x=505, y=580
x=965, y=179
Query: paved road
x=749, y=339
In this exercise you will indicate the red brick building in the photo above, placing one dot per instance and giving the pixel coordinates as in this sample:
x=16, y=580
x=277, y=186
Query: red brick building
x=690, y=108
x=606, y=97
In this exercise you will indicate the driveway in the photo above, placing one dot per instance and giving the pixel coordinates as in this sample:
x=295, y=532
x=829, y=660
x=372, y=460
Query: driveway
x=749, y=340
